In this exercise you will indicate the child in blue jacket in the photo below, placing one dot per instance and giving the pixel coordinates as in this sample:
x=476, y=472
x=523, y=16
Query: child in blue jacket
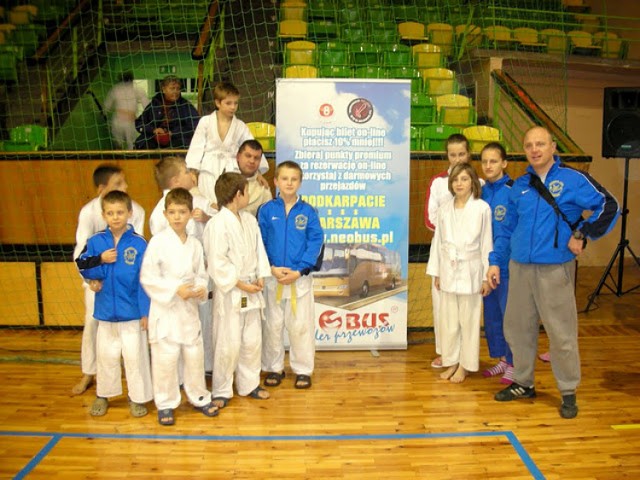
x=111, y=262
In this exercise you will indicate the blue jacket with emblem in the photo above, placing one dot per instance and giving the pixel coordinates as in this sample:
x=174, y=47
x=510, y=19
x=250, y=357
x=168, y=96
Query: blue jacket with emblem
x=531, y=224
x=122, y=297
x=496, y=194
x=294, y=240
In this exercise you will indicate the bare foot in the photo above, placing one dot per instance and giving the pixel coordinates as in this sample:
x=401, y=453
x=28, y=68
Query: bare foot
x=446, y=375
x=84, y=383
x=459, y=376
x=437, y=362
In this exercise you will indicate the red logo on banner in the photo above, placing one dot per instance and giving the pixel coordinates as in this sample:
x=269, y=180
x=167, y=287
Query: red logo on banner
x=326, y=110
x=329, y=320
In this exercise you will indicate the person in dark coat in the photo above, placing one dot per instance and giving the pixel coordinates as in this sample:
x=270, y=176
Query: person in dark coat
x=169, y=120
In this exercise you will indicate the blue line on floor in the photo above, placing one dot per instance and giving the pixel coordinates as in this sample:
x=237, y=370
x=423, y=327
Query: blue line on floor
x=56, y=437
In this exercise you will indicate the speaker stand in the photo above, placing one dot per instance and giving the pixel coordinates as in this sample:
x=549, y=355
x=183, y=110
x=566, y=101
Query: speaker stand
x=619, y=251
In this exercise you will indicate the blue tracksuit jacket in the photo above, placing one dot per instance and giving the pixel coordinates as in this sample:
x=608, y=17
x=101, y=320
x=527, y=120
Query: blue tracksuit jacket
x=122, y=297
x=294, y=240
x=530, y=225
x=496, y=194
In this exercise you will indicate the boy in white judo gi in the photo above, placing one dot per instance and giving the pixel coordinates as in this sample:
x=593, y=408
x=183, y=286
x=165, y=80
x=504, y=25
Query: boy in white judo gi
x=238, y=264
x=217, y=140
x=113, y=257
x=174, y=276
x=459, y=263
x=293, y=239
x=106, y=178
x=171, y=172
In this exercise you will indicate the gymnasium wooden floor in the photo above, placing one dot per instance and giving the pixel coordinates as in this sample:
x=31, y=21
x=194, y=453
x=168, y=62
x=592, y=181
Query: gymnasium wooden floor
x=386, y=416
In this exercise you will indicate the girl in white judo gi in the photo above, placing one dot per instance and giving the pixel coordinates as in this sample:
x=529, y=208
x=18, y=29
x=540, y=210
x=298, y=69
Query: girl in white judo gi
x=238, y=264
x=459, y=262
x=457, y=148
x=216, y=141
x=174, y=277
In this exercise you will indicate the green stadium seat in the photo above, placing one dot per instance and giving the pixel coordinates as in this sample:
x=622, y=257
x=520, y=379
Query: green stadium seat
x=8, y=64
x=322, y=29
x=396, y=55
x=369, y=72
x=408, y=73
x=26, y=36
x=434, y=137
x=322, y=9
x=26, y=138
x=332, y=54
x=381, y=33
x=335, y=71
x=352, y=33
x=423, y=109
x=365, y=54
x=415, y=138
x=381, y=13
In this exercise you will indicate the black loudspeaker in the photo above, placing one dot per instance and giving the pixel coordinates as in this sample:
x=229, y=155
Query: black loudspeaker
x=621, y=122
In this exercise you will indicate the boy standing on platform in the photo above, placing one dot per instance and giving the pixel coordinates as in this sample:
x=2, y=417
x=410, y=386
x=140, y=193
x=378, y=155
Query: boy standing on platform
x=106, y=178
x=174, y=276
x=293, y=239
x=111, y=260
x=238, y=264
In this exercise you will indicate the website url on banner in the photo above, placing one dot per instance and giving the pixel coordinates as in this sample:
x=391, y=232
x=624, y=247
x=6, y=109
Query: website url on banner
x=357, y=237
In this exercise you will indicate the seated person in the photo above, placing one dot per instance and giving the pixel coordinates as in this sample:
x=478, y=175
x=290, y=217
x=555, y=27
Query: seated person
x=169, y=120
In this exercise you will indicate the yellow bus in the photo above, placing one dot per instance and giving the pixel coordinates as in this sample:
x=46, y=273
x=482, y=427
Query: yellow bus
x=349, y=270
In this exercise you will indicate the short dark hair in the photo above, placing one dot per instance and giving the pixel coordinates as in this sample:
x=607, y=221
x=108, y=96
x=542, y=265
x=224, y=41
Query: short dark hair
x=179, y=196
x=170, y=79
x=228, y=185
x=126, y=77
x=116, y=196
x=495, y=146
x=476, y=188
x=252, y=143
x=288, y=164
x=103, y=173
x=456, y=138
x=167, y=168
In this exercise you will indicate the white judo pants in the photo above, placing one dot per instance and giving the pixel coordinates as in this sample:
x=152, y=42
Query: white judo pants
x=460, y=330
x=116, y=340
x=165, y=356
x=124, y=132
x=207, y=185
x=300, y=327
x=237, y=342
x=89, y=334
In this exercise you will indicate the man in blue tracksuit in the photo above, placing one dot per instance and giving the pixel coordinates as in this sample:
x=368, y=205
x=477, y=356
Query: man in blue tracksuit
x=111, y=262
x=544, y=245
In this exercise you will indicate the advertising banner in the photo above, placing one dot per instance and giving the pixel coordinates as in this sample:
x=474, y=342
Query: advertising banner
x=351, y=138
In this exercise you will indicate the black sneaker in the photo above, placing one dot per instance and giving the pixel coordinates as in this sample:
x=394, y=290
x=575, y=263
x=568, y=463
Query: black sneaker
x=515, y=391
x=569, y=409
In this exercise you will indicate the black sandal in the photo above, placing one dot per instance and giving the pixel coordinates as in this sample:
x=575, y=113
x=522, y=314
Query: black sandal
x=302, y=382
x=273, y=379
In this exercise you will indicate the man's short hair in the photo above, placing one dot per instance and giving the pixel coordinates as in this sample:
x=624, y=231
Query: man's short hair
x=288, y=164
x=228, y=185
x=252, y=143
x=179, y=196
x=168, y=168
x=222, y=90
x=116, y=196
x=476, y=188
x=103, y=173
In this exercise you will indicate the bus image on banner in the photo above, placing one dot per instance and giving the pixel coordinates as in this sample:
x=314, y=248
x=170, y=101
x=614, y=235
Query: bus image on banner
x=349, y=270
